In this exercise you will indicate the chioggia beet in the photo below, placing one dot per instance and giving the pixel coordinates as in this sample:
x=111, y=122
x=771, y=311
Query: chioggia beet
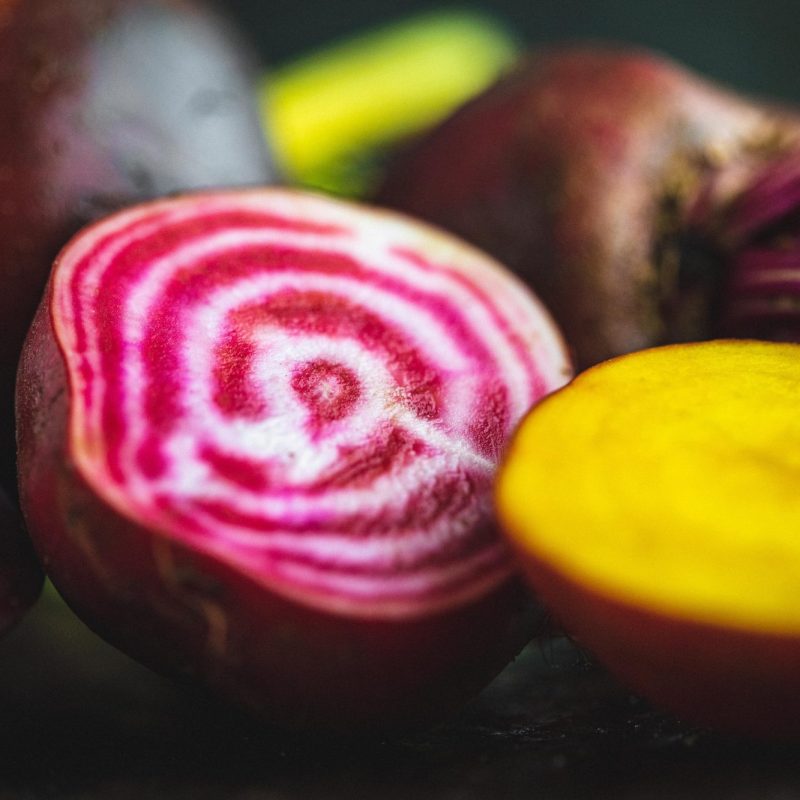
x=643, y=204
x=106, y=103
x=20, y=575
x=257, y=437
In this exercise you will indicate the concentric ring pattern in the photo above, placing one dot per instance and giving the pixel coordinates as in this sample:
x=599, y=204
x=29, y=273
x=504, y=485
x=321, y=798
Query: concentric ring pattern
x=314, y=393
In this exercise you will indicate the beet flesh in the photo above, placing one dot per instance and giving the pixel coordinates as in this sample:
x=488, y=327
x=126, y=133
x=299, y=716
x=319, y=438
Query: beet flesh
x=106, y=103
x=20, y=574
x=257, y=437
x=643, y=204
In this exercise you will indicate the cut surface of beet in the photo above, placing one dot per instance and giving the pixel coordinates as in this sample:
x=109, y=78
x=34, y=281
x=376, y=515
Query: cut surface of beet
x=294, y=394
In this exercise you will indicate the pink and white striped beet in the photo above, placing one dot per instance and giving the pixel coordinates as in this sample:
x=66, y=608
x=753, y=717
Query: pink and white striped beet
x=257, y=436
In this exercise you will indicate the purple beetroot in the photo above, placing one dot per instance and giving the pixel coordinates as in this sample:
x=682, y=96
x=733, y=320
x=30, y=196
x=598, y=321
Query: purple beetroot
x=643, y=204
x=257, y=437
x=106, y=103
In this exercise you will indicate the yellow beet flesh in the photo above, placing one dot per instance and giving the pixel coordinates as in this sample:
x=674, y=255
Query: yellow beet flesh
x=655, y=502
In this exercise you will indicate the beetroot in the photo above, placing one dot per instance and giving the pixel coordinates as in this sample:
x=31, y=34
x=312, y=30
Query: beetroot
x=257, y=435
x=643, y=204
x=20, y=575
x=105, y=103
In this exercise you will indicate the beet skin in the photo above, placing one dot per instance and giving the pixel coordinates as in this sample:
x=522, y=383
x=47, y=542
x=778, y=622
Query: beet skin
x=107, y=102
x=643, y=204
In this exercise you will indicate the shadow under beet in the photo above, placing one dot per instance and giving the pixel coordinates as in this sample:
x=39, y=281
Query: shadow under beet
x=80, y=719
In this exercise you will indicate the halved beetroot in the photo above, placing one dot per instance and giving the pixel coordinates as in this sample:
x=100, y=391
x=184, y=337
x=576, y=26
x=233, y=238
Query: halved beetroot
x=257, y=437
x=20, y=575
x=653, y=505
x=106, y=103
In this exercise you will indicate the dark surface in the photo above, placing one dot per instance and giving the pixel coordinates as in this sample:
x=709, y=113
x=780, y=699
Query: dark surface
x=79, y=720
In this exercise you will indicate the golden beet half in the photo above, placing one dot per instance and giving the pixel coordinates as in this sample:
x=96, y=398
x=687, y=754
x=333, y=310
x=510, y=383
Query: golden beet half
x=655, y=503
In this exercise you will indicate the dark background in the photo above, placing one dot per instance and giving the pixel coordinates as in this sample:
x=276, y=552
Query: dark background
x=750, y=44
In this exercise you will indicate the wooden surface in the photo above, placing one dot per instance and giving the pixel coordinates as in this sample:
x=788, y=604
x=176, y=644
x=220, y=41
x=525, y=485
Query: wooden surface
x=79, y=720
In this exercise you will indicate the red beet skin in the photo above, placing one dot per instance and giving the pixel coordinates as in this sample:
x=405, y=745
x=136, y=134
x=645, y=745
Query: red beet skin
x=20, y=575
x=257, y=435
x=643, y=204
x=106, y=103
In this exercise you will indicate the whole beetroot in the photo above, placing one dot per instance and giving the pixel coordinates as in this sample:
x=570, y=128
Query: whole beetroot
x=105, y=103
x=257, y=438
x=643, y=204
